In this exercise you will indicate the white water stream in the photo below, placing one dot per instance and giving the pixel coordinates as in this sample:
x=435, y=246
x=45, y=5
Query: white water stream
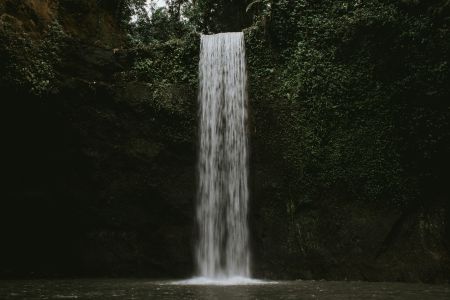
x=223, y=247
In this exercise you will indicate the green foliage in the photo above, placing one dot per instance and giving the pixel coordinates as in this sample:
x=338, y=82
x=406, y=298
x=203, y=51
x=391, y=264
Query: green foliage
x=182, y=16
x=351, y=95
x=169, y=71
x=160, y=27
x=29, y=63
x=173, y=61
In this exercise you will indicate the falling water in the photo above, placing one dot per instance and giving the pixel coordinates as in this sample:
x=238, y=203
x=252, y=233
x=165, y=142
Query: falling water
x=223, y=250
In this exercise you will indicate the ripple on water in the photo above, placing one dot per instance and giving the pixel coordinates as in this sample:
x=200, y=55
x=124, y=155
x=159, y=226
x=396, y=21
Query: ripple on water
x=221, y=281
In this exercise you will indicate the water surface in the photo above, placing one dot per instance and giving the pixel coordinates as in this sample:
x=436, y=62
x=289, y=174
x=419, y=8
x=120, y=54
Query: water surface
x=149, y=290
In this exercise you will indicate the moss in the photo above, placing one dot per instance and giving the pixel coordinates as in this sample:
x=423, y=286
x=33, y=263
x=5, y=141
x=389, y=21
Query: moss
x=29, y=63
x=340, y=92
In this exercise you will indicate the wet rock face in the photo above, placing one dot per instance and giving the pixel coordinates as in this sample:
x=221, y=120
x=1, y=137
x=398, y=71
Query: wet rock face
x=95, y=187
x=345, y=240
x=142, y=211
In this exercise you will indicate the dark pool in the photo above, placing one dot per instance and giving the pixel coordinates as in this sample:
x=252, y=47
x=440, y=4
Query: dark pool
x=146, y=289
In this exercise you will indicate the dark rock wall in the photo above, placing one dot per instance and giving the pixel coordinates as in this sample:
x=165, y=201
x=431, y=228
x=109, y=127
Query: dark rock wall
x=96, y=185
x=100, y=178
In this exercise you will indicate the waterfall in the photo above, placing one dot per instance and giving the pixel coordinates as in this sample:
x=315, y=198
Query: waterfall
x=223, y=246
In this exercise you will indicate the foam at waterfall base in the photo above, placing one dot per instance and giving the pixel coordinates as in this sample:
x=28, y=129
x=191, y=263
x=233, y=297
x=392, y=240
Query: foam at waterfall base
x=236, y=280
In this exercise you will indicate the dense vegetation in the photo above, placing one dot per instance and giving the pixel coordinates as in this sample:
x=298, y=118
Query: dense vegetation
x=353, y=96
x=350, y=118
x=361, y=88
x=358, y=91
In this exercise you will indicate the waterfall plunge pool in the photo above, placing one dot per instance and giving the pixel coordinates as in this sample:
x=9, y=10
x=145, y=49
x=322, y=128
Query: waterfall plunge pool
x=236, y=280
x=141, y=289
